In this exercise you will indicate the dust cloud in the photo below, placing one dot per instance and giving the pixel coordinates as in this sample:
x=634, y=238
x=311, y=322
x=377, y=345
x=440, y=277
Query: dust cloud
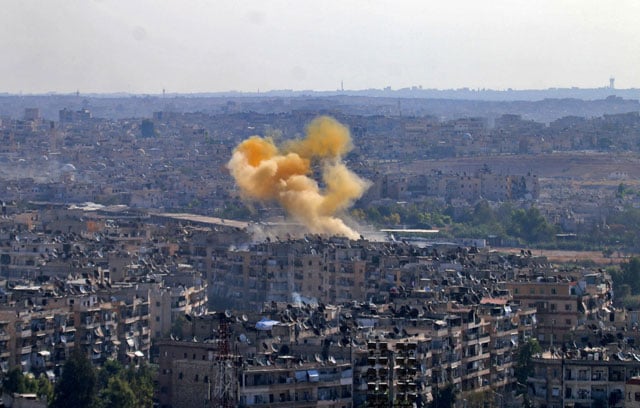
x=266, y=172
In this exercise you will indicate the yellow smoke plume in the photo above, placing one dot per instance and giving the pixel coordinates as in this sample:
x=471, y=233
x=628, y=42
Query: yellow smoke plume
x=265, y=172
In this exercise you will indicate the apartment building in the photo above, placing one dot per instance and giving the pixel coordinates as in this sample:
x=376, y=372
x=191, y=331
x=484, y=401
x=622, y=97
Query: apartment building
x=584, y=377
x=562, y=303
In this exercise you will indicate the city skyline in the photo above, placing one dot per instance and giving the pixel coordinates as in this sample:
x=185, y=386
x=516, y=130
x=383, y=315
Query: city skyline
x=107, y=46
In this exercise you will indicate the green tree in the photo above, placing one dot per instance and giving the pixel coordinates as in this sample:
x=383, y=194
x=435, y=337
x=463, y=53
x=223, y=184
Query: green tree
x=531, y=226
x=14, y=381
x=627, y=277
x=524, y=362
x=623, y=291
x=444, y=397
x=110, y=368
x=117, y=394
x=45, y=388
x=76, y=387
x=483, y=213
x=141, y=381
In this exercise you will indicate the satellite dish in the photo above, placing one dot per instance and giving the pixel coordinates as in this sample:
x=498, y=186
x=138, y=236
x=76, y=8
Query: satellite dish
x=227, y=314
x=244, y=318
x=332, y=360
x=264, y=345
x=242, y=338
x=318, y=358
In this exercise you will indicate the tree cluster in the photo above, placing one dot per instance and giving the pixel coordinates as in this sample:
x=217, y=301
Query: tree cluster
x=111, y=386
x=504, y=221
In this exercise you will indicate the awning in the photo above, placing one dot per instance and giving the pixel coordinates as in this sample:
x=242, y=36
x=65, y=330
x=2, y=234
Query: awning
x=44, y=353
x=314, y=376
x=131, y=343
x=50, y=375
x=139, y=353
x=266, y=324
x=98, y=332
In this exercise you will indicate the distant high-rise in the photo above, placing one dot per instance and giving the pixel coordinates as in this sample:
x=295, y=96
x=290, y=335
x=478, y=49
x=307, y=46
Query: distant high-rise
x=32, y=114
x=612, y=81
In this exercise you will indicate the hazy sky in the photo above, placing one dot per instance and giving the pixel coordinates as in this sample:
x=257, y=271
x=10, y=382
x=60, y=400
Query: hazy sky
x=143, y=46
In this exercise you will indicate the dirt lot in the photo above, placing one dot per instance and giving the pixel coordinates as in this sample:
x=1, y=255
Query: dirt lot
x=565, y=165
x=557, y=256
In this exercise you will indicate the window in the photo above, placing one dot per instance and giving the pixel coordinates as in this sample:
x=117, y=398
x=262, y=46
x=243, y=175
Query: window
x=552, y=306
x=553, y=291
x=637, y=396
x=567, y=307
x=516, y=291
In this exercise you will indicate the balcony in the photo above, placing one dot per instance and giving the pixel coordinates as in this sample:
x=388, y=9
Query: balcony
x=23, y=333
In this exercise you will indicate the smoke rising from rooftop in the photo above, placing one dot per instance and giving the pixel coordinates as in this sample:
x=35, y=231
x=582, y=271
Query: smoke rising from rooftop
x=266, y=172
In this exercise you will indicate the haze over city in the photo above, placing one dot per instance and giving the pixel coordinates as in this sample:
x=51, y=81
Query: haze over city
x=205, y=46
x=215, y=203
